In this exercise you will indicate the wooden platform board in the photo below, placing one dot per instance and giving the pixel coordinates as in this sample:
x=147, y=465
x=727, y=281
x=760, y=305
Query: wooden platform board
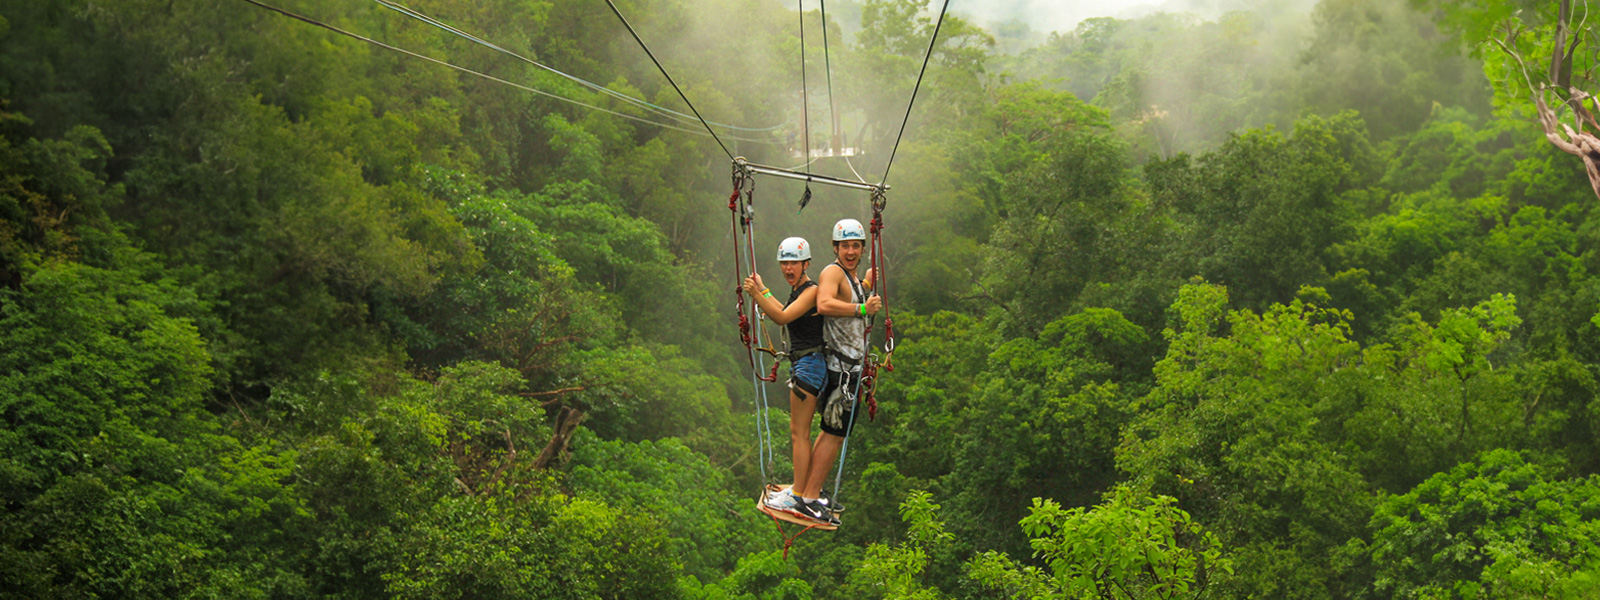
x=788, y=517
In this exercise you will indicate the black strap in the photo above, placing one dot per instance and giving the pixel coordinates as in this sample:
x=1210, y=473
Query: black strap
x=855, y=284
x=796, y=355
x=805, y=286
x=847, y=361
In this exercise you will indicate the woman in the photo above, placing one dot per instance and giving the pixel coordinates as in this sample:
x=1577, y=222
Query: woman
x=807, y=374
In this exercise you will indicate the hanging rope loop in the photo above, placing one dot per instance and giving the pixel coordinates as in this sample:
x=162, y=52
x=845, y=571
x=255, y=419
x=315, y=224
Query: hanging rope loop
x=870, y=362
x=741, y=207
x=879, y=277
x=741, y=177
x=869, y=384
x=742, y=216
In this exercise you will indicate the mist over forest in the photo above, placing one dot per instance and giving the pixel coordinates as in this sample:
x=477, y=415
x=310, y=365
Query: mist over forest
x=1189, y=298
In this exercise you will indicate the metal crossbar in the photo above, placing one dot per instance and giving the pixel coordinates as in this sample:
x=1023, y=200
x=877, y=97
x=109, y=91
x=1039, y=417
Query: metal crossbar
x=813, y=178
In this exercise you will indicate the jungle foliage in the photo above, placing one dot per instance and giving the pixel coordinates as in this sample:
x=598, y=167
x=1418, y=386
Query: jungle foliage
x=1277, y=305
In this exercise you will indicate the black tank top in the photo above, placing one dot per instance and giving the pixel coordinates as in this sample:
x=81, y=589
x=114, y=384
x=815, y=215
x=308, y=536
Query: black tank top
x=805, y=332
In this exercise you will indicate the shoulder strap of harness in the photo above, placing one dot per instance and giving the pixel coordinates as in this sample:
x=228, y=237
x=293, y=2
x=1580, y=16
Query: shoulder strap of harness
x=861, y=296
x=855, y=284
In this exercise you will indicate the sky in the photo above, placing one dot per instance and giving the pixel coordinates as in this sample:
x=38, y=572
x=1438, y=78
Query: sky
x=1044, y=16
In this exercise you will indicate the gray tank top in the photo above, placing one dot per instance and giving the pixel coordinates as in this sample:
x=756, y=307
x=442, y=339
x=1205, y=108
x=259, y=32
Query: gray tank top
x=846, y=336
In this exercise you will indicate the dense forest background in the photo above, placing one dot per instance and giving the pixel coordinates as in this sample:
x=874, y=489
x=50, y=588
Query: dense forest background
x=1280, y=304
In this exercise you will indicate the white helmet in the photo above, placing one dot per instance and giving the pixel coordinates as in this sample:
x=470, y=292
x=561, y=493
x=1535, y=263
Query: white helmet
x=794, y=249
x=849, y=229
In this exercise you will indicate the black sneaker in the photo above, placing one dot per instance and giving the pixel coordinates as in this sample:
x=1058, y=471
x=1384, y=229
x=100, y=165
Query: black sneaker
x=815, y=511
x=832, y=509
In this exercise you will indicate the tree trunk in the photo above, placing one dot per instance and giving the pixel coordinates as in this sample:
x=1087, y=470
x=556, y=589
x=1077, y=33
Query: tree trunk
x=1560, y=60
x=566, y=422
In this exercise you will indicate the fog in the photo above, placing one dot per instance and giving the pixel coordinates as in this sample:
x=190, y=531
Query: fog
x=1045, y=16
x=1172, y=76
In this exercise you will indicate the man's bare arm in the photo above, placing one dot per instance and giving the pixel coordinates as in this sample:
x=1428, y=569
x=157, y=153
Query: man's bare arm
x=829, y=284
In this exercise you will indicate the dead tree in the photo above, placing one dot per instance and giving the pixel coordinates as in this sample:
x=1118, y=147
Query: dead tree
x=1578, y=138
x=1580, y=142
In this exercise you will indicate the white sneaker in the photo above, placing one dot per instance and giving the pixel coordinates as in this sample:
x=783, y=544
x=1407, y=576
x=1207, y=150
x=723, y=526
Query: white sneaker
x=782, y=500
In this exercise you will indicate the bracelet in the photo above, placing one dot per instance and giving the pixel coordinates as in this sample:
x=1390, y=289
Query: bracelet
x=767, y=292
x=863, y=309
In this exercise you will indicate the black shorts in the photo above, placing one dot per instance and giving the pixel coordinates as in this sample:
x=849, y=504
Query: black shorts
x=837, y=402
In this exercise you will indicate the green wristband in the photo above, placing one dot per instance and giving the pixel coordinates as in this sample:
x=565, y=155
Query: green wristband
x=863, y=309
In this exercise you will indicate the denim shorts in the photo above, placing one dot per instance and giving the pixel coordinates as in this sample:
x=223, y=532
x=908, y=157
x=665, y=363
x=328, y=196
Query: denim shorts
x=809, y=374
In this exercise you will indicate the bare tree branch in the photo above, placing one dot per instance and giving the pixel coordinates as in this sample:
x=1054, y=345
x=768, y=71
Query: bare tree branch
x=566, y=423
x=564, y=390
x=1583, y=144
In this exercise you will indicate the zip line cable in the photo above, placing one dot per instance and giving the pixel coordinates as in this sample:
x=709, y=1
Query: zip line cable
x=806, y=165
x=475, y=39
x=833, y=115
x=664, y=73
x=805, y=93
x=931, y=41
x=491, y=77
x=662, y=110
x=827, y=63
x=853, y=170
x=709, y=132
x=805, y=106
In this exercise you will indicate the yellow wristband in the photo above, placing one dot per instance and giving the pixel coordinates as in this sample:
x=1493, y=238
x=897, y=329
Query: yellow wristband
x=766, y=292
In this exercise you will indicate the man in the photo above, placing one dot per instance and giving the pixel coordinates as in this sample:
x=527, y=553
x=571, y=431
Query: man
x=843, y=302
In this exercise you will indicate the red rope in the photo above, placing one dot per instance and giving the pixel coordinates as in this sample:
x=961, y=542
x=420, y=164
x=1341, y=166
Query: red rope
x=869, y=371
x=750, y=249
x=880, y=267
x=869, y=368
x=788, y=540
x=745, y=326
x=738, y=276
